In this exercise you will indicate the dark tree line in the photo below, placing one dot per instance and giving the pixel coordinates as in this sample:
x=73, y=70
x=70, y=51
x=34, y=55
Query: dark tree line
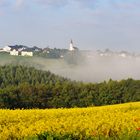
x=24, y=87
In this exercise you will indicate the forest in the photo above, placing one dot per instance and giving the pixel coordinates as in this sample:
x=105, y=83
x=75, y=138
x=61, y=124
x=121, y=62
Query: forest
x=26, y=87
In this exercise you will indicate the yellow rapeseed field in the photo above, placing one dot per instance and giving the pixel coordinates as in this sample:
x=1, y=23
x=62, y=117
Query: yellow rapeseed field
x=92, y=121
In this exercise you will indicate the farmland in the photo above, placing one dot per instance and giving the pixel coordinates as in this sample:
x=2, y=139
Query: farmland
x=106, y=122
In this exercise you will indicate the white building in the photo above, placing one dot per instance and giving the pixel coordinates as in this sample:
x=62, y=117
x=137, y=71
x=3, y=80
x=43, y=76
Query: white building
x=26, y=53
x=6, y=49
x=123, y=54
x=72, y=48
x=14, y=52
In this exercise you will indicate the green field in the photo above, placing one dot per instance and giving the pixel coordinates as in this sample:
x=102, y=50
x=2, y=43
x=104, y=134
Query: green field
x=38, y=62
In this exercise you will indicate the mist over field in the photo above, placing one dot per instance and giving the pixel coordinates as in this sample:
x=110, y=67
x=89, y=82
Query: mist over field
x=88, y=69
x=98, y=69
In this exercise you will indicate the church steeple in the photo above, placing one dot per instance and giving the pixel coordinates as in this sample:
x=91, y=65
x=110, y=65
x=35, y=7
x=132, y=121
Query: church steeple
x=71, y=46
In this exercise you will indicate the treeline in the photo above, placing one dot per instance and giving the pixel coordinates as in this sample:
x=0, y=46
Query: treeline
x=51, y=53
x=23, y=87
x=15, y=75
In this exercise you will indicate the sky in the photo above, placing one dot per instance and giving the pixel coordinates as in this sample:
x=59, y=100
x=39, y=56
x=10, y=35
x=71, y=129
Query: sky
x=92, y=24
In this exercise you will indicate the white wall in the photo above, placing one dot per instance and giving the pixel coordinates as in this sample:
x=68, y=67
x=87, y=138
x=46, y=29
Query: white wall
x=14, y=52
x=23, y=53
x=7, y=49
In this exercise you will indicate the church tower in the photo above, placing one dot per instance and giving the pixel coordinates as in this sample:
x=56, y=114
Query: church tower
x=71, y=46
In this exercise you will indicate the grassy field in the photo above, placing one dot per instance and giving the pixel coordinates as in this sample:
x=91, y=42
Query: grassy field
x=107, y=122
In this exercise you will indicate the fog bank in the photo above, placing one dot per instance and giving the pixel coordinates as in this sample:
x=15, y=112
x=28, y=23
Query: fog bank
x=95, y=69
x=88, y=69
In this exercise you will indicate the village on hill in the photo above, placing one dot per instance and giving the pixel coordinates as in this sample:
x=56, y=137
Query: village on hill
x=21, y=50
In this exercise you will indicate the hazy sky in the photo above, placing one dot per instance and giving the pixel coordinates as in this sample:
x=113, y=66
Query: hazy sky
x=92, y=24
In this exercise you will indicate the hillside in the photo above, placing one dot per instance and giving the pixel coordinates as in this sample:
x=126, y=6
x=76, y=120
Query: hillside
x=14, y=75
x=27, y=87
x=115, y=122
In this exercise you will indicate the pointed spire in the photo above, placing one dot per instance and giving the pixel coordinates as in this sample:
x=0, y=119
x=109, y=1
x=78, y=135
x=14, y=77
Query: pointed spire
x=71, y=41
x=71, y=48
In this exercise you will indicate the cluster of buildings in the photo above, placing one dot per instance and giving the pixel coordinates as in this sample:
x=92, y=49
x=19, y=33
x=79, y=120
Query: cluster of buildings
x=21, y=50
x=18, y=50
x=105, y=53
x=109, y=53
x=122, y=54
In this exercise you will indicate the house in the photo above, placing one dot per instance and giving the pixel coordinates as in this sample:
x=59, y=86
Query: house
x=19, y=47
x=6, y=48
x=46, y=50
x=14, y=52
x=11, y=48
x=26, y=52
x=18, y=50
x=36, y=49
x=124, y=54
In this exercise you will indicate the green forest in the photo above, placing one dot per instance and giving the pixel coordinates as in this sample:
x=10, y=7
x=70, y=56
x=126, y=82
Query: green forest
x=27, y=87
